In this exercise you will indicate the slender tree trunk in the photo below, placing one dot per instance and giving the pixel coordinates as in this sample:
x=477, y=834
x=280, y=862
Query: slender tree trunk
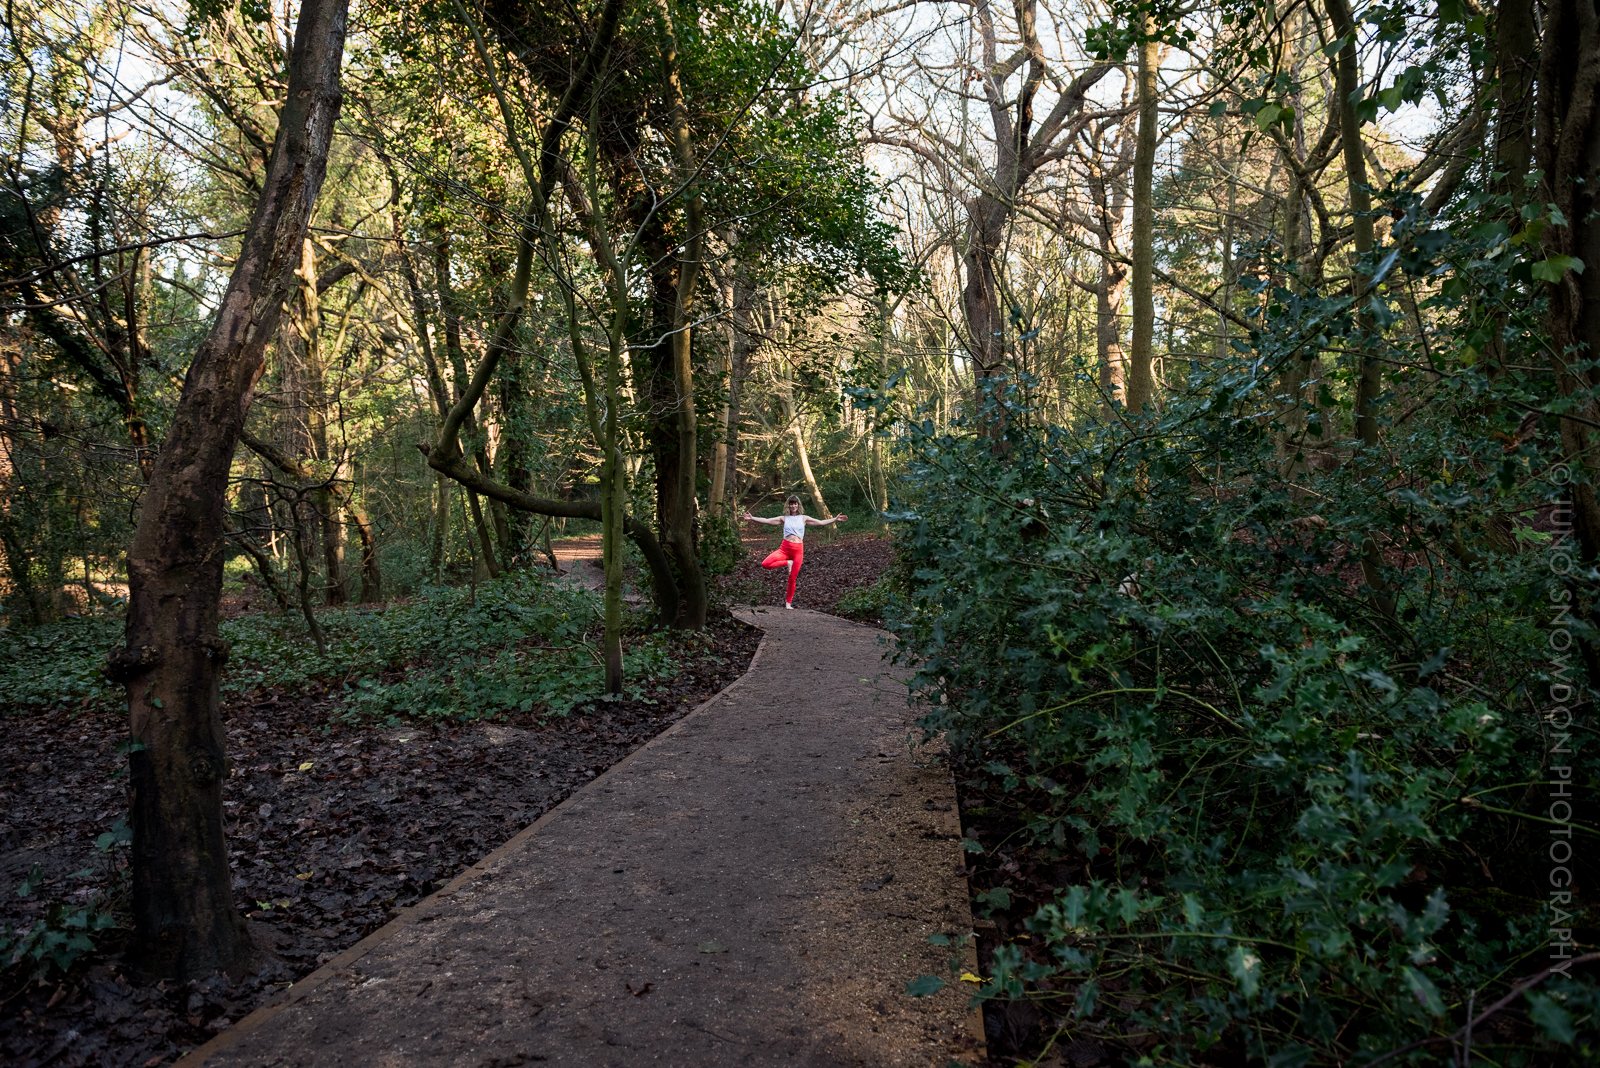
x=371, y=573
x=185, y=923
x=21, y=595
x=1141, y=349
x=1516, y=44
x=744, y=348
x=1347, y=78
x=1369, y=379
x=717, y=476
x=796, y=429
x=614, y=503
x=717, y=491
x=302, y=556
x=1296, y=243
x=1292, y=443
x=876, y=476
x=327, y=501
x=1304, y=366
x=485, y=545
x=1109, y=191
x=1219, y=346
x=441, y=525
x=513, y=458
x=470, y=430
x=330, y=512
x=438, y=392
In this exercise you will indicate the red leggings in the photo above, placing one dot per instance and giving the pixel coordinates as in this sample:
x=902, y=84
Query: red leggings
x=787, y=550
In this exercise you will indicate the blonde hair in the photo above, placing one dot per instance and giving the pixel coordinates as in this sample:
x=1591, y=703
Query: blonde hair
x=792, y=500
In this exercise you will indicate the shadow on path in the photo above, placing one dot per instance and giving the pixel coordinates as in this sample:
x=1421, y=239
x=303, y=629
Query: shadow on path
x=756, y=886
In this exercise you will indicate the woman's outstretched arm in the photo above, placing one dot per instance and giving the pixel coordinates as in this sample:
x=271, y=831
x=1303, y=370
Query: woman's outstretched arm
x=840, y=518
x=774, y=521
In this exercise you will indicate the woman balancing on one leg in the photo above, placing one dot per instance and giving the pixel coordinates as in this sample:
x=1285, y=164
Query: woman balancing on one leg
x=792, y=550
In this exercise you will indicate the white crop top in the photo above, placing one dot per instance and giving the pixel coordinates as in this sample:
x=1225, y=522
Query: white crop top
x=794, y=526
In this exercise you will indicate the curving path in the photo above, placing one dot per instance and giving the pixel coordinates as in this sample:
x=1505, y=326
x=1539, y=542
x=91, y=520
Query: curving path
x=754, y=887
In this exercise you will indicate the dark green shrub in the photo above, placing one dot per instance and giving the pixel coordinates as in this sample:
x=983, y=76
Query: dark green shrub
x=871, y=602
x=1301, y=830
x=67, y=933
x=720, y=546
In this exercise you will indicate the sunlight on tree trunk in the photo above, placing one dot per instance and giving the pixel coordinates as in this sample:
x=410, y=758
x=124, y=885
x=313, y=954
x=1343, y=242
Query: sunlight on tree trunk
x=1141, y=347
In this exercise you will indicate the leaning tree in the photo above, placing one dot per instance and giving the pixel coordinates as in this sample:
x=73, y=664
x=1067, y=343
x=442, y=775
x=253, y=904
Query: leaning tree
x=185, y=923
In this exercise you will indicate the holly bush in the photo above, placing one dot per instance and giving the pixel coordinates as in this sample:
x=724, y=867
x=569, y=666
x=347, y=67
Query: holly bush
x=1289, y=733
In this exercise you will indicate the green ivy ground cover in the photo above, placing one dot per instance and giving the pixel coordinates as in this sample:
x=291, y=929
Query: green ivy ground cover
x=519, y=643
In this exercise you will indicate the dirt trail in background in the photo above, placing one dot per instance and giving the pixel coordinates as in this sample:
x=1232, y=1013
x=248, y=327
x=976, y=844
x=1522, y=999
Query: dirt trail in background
x=754, y=887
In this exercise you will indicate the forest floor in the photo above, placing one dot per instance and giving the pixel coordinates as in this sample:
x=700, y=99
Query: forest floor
x=335, y=826
x=837, y=566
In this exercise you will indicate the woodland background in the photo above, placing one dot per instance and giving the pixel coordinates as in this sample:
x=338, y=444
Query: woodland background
x=1224, y=376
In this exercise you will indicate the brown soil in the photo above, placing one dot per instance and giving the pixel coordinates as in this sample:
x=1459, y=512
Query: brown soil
x=835, y=565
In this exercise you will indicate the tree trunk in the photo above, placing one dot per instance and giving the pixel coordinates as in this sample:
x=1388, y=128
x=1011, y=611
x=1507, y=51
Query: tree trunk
x=614, y=503
x=1141, y=348
x=1516, y=60
x=1569, y=157
x=19, y=593
x=1369, y=380
x=791, y=420
x=1304, y=366
x=185, y=924
x=877, y=478
x=745, y=344
x=680, y=522
x=1219, y=345
x=1347, y=78
x=441, y=526
x=331, y=515
x=371, y=574
x=302, y=555
x=513, y=458
x=1113, y=362
x=470, y=430
x=1291, y=442
x=719, y=480
x=438, y=392
x=485, y=547
x=980, y=308
x=327, y=501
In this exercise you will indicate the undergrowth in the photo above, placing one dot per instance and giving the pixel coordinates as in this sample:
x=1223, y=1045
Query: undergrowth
x=520, y=643
x=1239, y=801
